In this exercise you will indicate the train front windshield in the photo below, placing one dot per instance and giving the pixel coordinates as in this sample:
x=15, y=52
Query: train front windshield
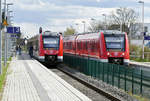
x=115, y=42
x=51, y=42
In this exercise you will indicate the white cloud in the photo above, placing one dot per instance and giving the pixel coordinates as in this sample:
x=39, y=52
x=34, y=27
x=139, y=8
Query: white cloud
x=59, y=24
x=28, y=29
x=69, y=15
x=98, y=0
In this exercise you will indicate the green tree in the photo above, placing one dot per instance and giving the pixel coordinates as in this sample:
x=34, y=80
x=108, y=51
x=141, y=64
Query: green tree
x=69, y=31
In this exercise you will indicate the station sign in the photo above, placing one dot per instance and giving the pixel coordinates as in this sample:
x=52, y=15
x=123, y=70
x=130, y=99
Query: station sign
x=13, y=30
x=13, y=36
x=146, y=37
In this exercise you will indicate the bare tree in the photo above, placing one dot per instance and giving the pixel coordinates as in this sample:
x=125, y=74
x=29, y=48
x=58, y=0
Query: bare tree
x=96, y=26
x=126, y=17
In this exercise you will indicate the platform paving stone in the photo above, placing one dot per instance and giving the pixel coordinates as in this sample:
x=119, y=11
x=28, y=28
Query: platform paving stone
x=19, y=86
x=28, y=80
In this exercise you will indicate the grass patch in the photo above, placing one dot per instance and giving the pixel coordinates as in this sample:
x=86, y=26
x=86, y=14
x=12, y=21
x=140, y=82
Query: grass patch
x=139, y=98
x=140, y=60
x=3, y=79
x=10, y=58
x=136, y=53
x=3, y=76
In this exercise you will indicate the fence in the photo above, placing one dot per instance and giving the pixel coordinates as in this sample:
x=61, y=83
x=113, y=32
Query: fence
x=129, y=79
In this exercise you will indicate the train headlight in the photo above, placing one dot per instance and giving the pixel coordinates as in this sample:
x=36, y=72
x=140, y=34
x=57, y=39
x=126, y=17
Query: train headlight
x=108, y=53
x=122, y=54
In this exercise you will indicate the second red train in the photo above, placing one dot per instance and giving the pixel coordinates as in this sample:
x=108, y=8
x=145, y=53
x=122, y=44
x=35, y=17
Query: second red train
x=105, y=46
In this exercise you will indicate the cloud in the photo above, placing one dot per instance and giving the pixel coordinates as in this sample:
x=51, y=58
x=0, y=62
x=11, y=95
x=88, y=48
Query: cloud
x=28, y=29
x=56, y=15
x=98, y=0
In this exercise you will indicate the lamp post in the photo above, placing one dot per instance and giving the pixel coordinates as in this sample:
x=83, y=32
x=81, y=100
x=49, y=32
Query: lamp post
x=4, y=31
x=9, y=17
x=84, y=25
x=76, y=25
x=8, y=46
x=0, y=41
x=105, y=21
x=10, y=20
x=6, y=39
x=8, y=4
x=142, y=2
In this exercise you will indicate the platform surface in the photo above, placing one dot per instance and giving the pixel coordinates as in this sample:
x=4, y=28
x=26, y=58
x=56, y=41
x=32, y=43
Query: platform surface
x=29, y=80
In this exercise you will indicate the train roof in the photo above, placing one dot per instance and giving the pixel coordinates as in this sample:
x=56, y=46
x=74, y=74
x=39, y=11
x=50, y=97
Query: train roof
x=49, y=33
x=88, y=36
x=69, y=38
x=112, y=32
x=91, y=35
x=103, y=31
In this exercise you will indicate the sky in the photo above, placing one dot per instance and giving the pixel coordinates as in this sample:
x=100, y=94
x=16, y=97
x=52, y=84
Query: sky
x=57, y=15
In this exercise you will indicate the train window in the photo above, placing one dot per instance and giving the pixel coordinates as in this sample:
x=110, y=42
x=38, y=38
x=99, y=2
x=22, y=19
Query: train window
x=95, y=47
x=78, y=45
x=115, y=42
x=67, y=45
x=51, y=42
x=86, y=45
x=92, y=46
x=81, y=45
x=70, y=46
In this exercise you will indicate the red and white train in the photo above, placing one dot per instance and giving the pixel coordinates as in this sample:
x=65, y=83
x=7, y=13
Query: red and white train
x=47, y=47
x=105, y=46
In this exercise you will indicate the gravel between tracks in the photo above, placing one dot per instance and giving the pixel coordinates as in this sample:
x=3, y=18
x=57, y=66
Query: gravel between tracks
x=101, y=85
x=82, y=88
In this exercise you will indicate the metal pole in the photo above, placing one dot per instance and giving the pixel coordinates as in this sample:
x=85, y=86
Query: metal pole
x=143, y=30
x=105, y=21
x=5, y=49
x=84, y=26
x=142, y=2
x=0, y=41
x=7, y=39
x=77, y=26
x=121, y=26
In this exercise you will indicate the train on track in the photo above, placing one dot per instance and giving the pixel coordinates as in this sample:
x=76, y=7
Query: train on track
x=47, y=47
x=105, y=46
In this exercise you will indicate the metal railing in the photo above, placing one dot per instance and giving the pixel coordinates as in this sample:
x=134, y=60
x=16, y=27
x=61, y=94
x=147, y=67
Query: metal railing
x=135, y=81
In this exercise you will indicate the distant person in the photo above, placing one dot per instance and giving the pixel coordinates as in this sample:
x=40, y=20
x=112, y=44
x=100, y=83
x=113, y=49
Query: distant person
x=19, y=49
x=31, y=51
x=16, y=50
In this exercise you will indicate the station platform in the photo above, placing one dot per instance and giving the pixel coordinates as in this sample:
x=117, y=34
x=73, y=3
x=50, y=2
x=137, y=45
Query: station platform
x=29, y=80
x=140, y=64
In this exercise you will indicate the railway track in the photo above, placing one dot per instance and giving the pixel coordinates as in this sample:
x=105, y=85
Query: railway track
x=90, y=87
x=81, y=86
x=90, y=90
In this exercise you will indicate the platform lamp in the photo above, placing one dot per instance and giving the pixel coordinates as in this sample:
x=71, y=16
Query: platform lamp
x=84, y=25
x=142, y=2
